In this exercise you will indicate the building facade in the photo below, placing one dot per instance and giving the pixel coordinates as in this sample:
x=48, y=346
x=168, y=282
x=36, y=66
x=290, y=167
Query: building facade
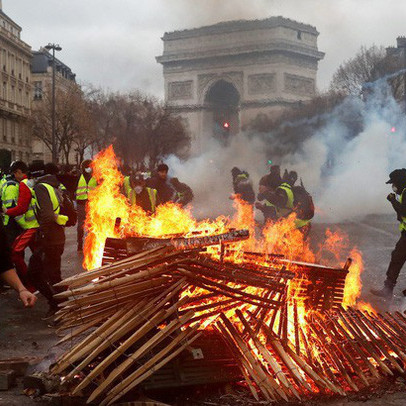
x=218, y=78
x=41, y=76
x=15, y=92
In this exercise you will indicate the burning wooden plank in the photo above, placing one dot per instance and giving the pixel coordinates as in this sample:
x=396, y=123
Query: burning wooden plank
x=282, y=321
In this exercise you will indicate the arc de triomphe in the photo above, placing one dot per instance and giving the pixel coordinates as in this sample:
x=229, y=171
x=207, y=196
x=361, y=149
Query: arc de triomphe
x=220, y=77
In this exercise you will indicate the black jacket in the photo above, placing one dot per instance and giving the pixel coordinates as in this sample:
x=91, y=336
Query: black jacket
x=50, y=233
x=166, y=192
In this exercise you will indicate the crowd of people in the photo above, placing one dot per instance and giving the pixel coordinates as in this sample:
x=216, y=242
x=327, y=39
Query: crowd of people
x=278, y=196
x=39, y=201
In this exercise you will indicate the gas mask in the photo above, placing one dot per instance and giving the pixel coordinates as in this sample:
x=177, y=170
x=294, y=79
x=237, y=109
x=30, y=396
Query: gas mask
x=138, y=189
x=88, y=170
x=394, y=188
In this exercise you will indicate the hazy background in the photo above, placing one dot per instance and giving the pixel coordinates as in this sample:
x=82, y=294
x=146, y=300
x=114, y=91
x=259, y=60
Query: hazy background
x=113, y=44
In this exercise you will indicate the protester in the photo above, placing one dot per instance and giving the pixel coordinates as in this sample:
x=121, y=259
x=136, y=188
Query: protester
x=85, y=184
x=45, y=264
x=264, y=196
x=9, y=199
x=23, y=213
x=137, y=192
x=398, y=180
x=184, y=194
x=242, y=186
x=9, y=274
x=160, y=182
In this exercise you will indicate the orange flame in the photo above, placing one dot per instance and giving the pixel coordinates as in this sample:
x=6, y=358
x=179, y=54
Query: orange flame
x=107, y=202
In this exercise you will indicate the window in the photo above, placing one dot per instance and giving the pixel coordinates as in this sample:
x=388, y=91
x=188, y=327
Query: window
x=3, y=129
x=38, y=90
x=5, y=90
x=13, y=132
x=299, y=35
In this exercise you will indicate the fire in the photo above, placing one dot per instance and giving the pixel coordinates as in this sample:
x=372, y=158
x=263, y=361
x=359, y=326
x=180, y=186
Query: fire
x=106, y=203
x=353, y=284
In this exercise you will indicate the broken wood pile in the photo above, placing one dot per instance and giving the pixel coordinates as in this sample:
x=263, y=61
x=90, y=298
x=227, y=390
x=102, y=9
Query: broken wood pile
x=128, y=319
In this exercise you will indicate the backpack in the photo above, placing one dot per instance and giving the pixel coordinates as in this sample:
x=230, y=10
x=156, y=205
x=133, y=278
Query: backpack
x=67, y=208
x=303, y=203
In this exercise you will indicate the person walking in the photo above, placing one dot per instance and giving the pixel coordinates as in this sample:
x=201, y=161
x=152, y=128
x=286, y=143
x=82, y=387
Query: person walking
x=397, y=179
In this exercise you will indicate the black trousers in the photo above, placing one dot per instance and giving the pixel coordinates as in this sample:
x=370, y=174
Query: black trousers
x=398, y=259
x=81, y=222
x=44, y=270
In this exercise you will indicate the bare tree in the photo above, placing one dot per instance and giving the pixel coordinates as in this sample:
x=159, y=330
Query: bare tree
x=73, y=121
x=141, y=128
x=368, y=65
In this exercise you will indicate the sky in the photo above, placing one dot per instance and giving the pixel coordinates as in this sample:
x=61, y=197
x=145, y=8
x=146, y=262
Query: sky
x=113, y=43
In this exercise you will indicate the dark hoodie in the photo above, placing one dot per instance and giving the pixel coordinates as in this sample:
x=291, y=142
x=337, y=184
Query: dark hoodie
x=51, y=233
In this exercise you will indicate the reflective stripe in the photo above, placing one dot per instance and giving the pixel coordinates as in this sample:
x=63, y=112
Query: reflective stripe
x=10, y=201
x=84, y=188
x=152, y=193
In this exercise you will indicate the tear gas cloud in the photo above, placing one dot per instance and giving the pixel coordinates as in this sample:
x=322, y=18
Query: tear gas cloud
x=345, y=174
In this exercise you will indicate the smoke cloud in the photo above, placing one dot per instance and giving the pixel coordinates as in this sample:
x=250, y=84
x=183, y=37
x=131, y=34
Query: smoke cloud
x=344, y=171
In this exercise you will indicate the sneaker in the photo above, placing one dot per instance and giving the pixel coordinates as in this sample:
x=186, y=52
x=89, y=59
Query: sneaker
x=385, y=293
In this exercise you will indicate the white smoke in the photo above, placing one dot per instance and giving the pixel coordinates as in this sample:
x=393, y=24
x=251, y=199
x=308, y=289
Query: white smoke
x=209, y=174
x=345, y=173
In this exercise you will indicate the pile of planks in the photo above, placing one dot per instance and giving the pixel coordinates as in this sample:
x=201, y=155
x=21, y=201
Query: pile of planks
x=128, y=319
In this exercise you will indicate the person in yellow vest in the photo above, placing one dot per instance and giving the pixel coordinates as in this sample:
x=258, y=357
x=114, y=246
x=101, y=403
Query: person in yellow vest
x=139, y=194
x=86, y=183
x=23, y=213
x=45, y=264
x=398, y=200
x=9, y=199
x=263, y=204
x=9, y=275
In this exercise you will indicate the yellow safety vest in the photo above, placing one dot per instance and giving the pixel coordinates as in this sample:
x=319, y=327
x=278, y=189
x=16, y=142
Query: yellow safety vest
x=284, y=211
x=29, y=216
x=9, y=198
x=61, y=219
x=3, y=181
x=402, y=225
x=132, y=196
x=84, y=188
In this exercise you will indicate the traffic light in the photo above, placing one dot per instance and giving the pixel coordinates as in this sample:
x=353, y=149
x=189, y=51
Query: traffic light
x=226, y=125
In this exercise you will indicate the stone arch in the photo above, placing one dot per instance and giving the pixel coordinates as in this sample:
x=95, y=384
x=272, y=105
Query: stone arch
x=221, y=105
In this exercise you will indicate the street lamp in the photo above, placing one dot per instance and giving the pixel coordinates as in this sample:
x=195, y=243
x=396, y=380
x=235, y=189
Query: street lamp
x=54, y=47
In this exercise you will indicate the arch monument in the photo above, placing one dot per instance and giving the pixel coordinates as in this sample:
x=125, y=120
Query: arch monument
x=220, y=77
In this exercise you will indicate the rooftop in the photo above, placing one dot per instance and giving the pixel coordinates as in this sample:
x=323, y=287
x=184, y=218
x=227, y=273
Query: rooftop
x=240, y=25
